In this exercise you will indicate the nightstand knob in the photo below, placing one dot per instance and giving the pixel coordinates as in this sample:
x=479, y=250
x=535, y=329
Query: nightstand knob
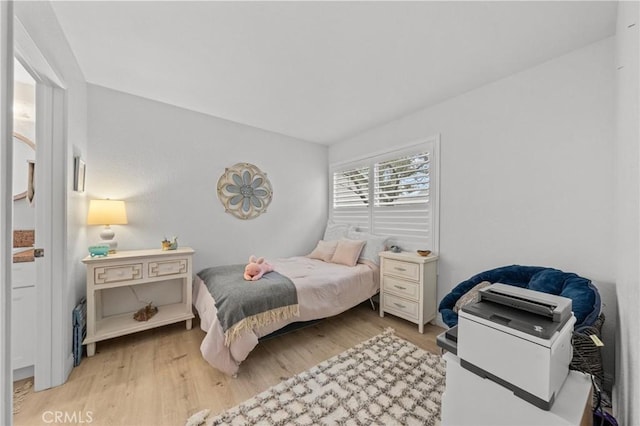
x=400, y=287
x=399, y=269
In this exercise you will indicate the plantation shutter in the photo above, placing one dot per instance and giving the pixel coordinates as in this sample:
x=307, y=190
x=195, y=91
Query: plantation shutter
x=401, y=198
x=391, y=194
x=351, y=197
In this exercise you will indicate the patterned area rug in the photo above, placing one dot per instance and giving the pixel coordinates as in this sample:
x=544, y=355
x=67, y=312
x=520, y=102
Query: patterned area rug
x=384, y=381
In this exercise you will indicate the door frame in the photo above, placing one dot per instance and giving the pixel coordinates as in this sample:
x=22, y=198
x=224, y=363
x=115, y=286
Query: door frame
x=6, y=208
x=50, y=367
x=51, y=234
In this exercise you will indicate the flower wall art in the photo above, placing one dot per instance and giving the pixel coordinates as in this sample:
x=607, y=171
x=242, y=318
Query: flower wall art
x=244, y=191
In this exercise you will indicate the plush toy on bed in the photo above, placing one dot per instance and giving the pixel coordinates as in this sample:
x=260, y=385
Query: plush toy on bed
x=256, y=268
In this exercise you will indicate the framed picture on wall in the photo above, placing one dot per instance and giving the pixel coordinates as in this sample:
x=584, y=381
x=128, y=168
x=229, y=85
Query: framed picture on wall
x=79, y=168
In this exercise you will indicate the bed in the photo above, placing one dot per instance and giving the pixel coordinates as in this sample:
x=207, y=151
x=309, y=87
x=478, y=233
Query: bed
x=323, y=289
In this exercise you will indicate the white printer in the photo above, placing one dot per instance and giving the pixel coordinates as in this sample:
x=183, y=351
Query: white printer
x=519, y=338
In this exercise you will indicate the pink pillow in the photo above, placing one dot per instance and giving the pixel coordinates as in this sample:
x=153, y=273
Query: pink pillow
x=324, y=250
x=348, y=252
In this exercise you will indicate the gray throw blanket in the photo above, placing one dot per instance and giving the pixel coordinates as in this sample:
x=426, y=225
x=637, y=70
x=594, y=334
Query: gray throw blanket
x=243, y=305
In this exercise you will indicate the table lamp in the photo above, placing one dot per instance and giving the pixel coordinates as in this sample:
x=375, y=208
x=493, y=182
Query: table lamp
x=107, y=213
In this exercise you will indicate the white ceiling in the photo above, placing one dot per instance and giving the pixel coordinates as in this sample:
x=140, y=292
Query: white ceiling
x=319, y=71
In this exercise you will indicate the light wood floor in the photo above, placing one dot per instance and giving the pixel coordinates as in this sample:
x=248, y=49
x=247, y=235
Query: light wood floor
x=159, y=377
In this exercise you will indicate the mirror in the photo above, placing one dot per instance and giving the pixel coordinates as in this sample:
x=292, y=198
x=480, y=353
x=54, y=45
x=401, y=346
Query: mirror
x=24, y=155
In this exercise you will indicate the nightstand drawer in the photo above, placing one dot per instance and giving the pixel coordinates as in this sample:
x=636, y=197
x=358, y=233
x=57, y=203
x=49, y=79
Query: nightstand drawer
x=395, y=304
x=401, y=287
x=402, y=269
x=118, y=273
x=167, y=267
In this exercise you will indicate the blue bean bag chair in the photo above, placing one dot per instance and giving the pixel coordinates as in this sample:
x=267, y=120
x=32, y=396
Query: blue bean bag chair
x=583, y=294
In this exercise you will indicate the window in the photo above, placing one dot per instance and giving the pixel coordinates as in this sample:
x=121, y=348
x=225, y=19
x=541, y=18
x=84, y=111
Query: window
x=392, y=194
x=351, y=196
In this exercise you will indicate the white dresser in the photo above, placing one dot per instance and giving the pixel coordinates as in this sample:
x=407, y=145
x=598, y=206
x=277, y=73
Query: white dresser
x=133, y=268
x=408, y=286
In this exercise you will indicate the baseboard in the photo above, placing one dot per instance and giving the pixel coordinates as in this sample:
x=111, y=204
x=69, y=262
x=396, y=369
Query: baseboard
x=23, y=373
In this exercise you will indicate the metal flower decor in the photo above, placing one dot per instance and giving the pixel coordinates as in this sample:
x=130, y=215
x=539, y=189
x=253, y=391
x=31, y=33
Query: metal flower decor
x=244, y=191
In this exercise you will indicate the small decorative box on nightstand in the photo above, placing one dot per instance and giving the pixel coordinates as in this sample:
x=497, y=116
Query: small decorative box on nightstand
x=408, y=286
x=132, y=268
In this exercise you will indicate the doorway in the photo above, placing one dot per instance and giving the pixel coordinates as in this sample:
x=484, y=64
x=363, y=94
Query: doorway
x=52, y=365
x=23, y=267
x=52, y=361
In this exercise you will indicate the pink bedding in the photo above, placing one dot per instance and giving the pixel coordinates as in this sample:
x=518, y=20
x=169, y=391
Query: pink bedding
x=324, y=289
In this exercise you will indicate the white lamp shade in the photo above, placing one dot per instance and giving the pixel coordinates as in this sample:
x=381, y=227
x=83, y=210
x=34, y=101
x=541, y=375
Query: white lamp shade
x=107, y=212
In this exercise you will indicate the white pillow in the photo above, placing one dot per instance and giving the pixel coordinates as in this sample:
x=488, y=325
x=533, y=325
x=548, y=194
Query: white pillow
x=324, y=250
x=347, y=252
x=374, y=245
x=335, y=231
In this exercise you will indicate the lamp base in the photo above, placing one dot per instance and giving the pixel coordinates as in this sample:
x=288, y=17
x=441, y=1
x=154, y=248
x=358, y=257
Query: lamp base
x=107, y=237
x=113, y=245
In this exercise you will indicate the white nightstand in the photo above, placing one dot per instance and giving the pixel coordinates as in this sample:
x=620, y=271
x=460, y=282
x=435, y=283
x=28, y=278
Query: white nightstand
x=408, y=286
x=131, y=268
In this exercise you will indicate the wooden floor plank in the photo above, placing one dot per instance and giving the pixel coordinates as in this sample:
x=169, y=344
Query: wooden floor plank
x=158, y=377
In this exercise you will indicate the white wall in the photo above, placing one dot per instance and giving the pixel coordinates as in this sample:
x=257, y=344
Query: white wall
x=526, y=168
x=165, y=163
x=41, y=23
x=628, y=214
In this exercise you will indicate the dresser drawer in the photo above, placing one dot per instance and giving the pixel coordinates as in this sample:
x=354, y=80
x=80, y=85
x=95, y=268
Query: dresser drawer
x=402, y=269
x=401, y=287
x=118, y=273
x=168, y=267
x=397, y=305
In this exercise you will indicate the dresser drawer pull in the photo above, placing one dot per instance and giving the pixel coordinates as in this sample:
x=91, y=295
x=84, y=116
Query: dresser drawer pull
x=399, y=305
x=400, y=269
x=400, y=287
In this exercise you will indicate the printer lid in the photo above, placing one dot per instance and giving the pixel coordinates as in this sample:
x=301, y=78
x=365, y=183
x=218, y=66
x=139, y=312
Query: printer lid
x=555, y=307
x=540, y=326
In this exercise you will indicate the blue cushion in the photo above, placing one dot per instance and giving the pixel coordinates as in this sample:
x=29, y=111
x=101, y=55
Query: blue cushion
x=583, y=294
